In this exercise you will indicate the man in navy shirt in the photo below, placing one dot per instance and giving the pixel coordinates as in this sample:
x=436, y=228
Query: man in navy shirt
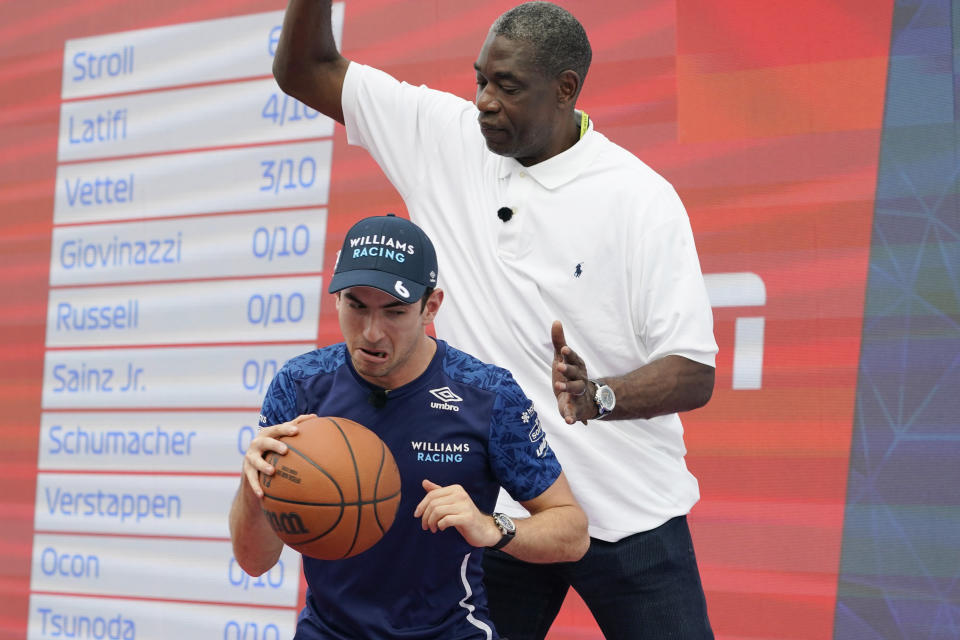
x=458, y=429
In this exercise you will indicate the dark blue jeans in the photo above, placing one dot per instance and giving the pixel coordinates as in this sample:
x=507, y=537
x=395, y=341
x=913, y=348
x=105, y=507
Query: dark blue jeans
x=646, y=586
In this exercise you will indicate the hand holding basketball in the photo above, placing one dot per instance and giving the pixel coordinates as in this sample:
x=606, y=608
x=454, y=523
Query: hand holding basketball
x=267, y=439
x=335, y=490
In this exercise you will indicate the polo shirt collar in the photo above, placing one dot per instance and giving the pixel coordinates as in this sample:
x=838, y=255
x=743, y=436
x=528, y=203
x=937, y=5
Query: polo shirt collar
x=562, y=168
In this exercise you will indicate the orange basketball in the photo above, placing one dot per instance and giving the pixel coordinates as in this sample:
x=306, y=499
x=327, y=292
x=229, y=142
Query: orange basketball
x=336, y=490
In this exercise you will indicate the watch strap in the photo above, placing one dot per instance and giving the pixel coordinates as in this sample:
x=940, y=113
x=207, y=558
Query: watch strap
x=507, y=537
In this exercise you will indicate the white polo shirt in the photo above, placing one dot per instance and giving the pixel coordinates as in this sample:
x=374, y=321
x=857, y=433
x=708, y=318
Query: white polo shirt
x=597, y=240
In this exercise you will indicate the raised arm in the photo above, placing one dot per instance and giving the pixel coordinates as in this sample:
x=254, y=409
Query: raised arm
x=307, y=64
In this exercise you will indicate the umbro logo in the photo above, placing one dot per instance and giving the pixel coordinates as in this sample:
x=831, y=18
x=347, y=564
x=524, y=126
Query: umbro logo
x=446, y=396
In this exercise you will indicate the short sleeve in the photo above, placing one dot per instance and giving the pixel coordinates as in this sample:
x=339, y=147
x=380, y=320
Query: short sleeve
x=520, y=455
x=673, y=309
x=280, y=402
x=407, y=129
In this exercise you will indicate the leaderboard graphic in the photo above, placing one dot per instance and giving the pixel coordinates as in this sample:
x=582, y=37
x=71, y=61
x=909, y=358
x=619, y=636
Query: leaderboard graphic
x=178, y=223
x=169, y=218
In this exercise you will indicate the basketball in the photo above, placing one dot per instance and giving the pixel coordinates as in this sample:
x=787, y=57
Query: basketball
x=336, y=490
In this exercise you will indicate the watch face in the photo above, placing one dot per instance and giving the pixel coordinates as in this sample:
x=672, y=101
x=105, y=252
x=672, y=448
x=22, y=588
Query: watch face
x=505, y=523
x=605, y=397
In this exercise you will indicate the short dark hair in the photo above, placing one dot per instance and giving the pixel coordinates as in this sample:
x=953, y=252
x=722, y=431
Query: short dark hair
x=559, y=40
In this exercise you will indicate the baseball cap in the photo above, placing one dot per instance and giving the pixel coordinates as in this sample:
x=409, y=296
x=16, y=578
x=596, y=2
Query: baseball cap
x=388, y=253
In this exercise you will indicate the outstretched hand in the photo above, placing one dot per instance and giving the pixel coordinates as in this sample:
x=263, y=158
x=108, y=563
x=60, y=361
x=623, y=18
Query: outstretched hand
x=570, y=381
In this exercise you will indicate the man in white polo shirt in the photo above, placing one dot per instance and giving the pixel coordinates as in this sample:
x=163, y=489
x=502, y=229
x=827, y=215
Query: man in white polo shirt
x=540, y=218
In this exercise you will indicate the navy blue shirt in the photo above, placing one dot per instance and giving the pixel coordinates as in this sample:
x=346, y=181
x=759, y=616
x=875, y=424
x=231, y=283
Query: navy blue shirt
x=461, y=422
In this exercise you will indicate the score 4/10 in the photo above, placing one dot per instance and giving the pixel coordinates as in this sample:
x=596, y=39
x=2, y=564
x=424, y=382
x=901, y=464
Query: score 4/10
x=278, y=105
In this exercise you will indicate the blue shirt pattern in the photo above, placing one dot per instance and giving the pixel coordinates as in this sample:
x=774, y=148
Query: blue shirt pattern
x=461, y=422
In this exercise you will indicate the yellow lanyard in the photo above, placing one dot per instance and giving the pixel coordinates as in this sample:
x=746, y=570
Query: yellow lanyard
x=584, y=121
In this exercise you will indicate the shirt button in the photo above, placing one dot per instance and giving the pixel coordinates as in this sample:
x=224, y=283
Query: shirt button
x=523, y=174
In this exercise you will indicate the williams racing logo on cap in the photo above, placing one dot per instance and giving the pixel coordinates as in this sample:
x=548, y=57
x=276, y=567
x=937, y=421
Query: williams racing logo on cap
x=447, y=399
x=378, y=246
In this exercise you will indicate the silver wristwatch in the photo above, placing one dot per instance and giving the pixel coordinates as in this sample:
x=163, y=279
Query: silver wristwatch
x=507, y=529
x=604, y=398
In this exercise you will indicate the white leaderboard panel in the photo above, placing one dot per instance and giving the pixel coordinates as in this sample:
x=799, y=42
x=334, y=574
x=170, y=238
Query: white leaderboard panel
x=195, y=570
x=179, y=441
x=186, y=267
x=248, y=244
x=54, y=616
x=206, y=51
x=258, y=309
x=194, y=377
x=253, y=112
x=134, y=505
x=289, y=175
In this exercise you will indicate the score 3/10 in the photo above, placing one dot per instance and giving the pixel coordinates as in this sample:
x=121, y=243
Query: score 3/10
x=288, y=174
